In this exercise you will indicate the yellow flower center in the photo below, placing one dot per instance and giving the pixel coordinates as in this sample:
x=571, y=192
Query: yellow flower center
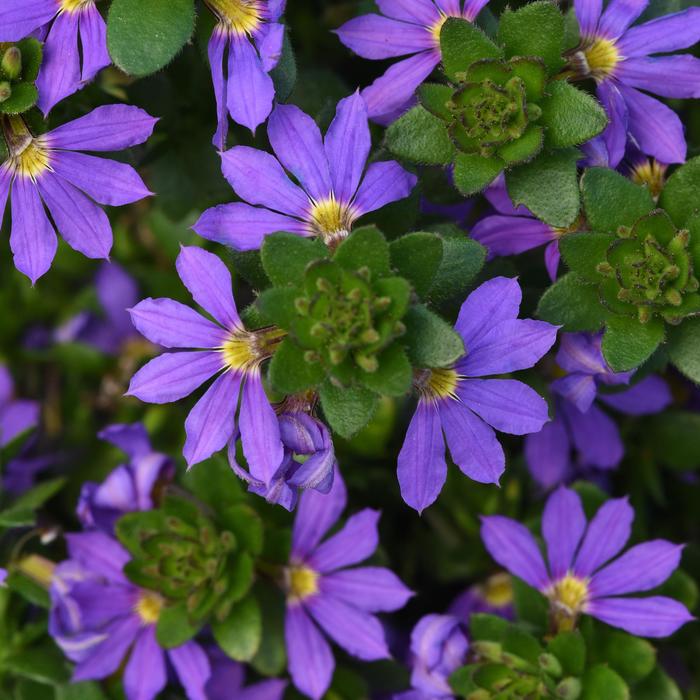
x=568, y=598
x=436, y=384
x=331, y=220
x=498, y=590
x=650, y=174
x=148, y=607
x=32, y=161
x=245, y=350
x=302, y=582
x=601, y=57
x=436, y=28
x=239, y=16
x=74, y=5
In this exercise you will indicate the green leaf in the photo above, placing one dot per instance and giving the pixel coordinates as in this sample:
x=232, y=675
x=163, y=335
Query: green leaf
x=522, y=644
x=674, y=438
x=87, y=690
x=462, y=43
x=462, y=260
x=417, y=257
x=21, y=511
x=420, y=137
x=285, y=256
x=435, y=98
x=290, y=373
x=284, y=74
x=364, y=247
x=347, y=409
x=241, y=576
x=536, y=29
x=530, y=605
x=174, y=627
x=277, y=305
x=129, y=528
x=143, y=36
x=570, y=649
x=681, y=194
x=602, y=682
x=271, y=657
x=214, y=482
x=525, y=148
x=246, y=525
x=683, y=344
x=29, y=589
x=431, y=341
x=572, y=304
x=23, y=98
x=248, y=264
x=43, y=664
x=682, y=587
x=657, y=686
x=548, y=186
x=627, y=343
x=611, y=200
x=473, y=173
x=631, y=657
x=394, y=374
x=32, y=53
x=583, y=251
x=240, y=633
x=489, y=628
x=571, y=116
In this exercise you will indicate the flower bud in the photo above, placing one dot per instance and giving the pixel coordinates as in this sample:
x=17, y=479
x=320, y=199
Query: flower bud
x=5, y=91
x=11, y=64
x=569, y=689
x=550, y=665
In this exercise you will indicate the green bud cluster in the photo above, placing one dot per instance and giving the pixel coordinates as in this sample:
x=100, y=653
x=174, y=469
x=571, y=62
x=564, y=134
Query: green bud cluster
x=19, y=68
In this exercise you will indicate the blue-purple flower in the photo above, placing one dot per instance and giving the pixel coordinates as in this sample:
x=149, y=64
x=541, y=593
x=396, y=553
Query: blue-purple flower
x=50, y=170
x=323, y=592
x=75, y=42
x=227, y=679
x=403, y=29
x=131, y=486
x=17, y=416
x=221, y=348
x=579, y=424
x=581, y=575
x=493, y=596
x=458, y=402
x=245, y=46
x=335, y=187
x=620, y=58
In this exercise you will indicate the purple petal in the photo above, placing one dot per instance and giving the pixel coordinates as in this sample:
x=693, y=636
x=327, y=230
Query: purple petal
x=498, y=197
x=473, y=444
x=210, y=423
x=588, y=14
x=144, y=676
x=506, y=404
x=216, y=52
x=655, y=616
x=641, y=568
x=98, y=604
x=551, y=259
x=370, y=588
x=618, y=15
x=421, y=467
x=580, y=389
x=265, y=690
x=93, y=39
x=649, y=396
x=32, y=240
x=383, y=183
x=607, y=534
x=258, y=178
x=250, y=91
x=60, y=67
x=296, y=141
x=547, y=454
x=260, y=434
x=83, y=225
x=615, y=134
x=355, y=542
x=511, y=235
x=392, y=91
x=244, y=227
x=5, y=185
x=359, y=633
x=116, y=492
x=679, y=30
x=449, y=7
x=495, y=301
x=192, y=668
x=316, y=514
x=17, y=417
x=171, y=324
x=472, y=8
x=514, y=548
x=106, y=181
x=99, y=554
x=422, y=12
x=173, y=375
x=209, y=282
x=106, y=128
x=376, y=37
x=130, y=438
x=270, y=45
x=563, y=525
x=508, y=346
x=581, y=353
x=7, y=385
x=668, y=76
x=657, y=128
x=309, y=656
x=116, y=291
x=19, y=18
x=595, y=436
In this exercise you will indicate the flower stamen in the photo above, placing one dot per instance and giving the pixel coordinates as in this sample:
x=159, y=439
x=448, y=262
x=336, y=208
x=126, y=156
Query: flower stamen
x=301, y=582
x=331, y=220
x=148, y=607
x=242, y=17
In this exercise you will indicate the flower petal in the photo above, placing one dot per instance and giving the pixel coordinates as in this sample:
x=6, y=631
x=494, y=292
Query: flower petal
x=655, y=616
x=93, y=39
x=192, y=668
x=269, y=43
x=563, y=525
x=595, y=436
x=578, y=388
x=547, y=454
x=383, y=183
x=116, y=290
x=668, y=76
x=422, y=12
x=369, y=588
x=18, y=18
x=17, y=417
x=376, y=37
x=99, y=554
x=144, y=676
x=511, y=235
x=618, y=15
x=588, y=14
x=679, y=30
x=649, y=396
x=615, y=134
x=216, y=52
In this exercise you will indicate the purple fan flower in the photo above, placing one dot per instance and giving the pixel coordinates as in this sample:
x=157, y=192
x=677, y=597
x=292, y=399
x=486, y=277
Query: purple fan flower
x=579, y=576
x=456, y=400
x=403, y=29
x=619, y=58
x=227, y=679
x=49, y=170
x=579, y=423
x=335, y=186
x=16, y=415
x=99, y=618
x=322, y=591
x=245, y=46
x=75, y=42
x=494, y=596
x=224, y=348
x=3, y=576
x=130, y=487
x=513, y=230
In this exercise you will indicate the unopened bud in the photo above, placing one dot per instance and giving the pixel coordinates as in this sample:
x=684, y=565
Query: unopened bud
x=399, y=328
x=365, y=273
x=301, y=304
x=370, y=336
x=336, y=355
x=644, y=314
x=368, y=363
x=5, y=91
x=12, y=63
x=355, y=295
x=624, y=231
x=515, y=662
x=673, y=297
x=550, y=665
x=534, y=112
x=605, y=269
x=311, y=357
x=491, y=651
x=382, y=303
x=479, y=694
x=569, y=689
x=323, y=285
x=318, y=331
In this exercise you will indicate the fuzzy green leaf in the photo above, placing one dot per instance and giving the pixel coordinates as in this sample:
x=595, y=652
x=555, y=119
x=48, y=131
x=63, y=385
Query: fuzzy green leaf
x=474, y=173
x=631, y=657
x=681, y=194
x=174, y=627
x=347, y=409
x=23, y=98
x=657, y=686
x=602, y=682
x=583, y=251
x=284, y=74
x=420, y=137
x=394, y=374
x=462, y=43
x=525, y=148
x=290, y=373
x=285, y=256
x=435, y=97
x=240, y=633
x=462, y=260
x=684, y=348
x=431, y=341
x=417, y=257
x=571, y=116
x=570, y=649
x=364, y=247
x=627, y=343
x=572, y=304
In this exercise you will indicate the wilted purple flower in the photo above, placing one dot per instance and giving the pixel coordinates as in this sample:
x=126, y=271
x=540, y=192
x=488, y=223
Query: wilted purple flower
x=227, y=349
x=457, y=402
x=75, y=42
x=579, y=577
x=245, y=46
x=98, y=618
x=48, y=169
x=579, y=424
x=333, y=192
x=619, y=59
x=227, y=679
x=493, y=596
x=404, y=29
x=130, y=487
x=322, y=591
x=16, y=415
